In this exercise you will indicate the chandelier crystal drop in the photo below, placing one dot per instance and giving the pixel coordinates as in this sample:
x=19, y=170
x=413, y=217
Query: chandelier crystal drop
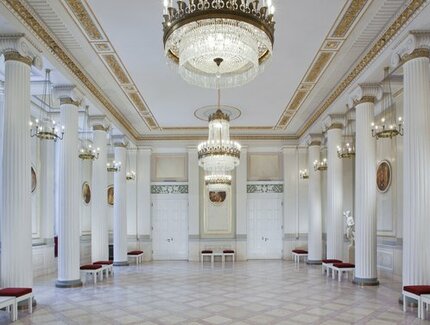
x=218, y=156
x=390, y=126
x=45, y=128
x=239, y=32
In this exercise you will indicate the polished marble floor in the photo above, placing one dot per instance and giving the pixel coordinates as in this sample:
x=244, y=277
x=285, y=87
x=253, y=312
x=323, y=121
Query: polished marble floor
x=255, y=292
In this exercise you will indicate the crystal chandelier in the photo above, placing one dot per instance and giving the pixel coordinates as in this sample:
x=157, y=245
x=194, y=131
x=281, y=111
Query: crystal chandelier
x=46, y=128
x=87, y=152
x=320, y=165
x=303, y=174
x=237, y=31
x=218, y=156
x=347, y=149
x=130, y=175
x=113, y=167
x=390, y=126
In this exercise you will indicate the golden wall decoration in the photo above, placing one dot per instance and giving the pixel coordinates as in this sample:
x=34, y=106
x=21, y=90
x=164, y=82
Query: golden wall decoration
x=349, y=17
x=116, y=68
x=84, y=19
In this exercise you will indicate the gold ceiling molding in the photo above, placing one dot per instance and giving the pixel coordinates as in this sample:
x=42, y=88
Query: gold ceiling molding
x=84, y=19
x=329, y=48
x=202, y=137
x=348, y=19
x=320, y=63
x=238, y=128
x=386, y=37
x=30, y=21
x=116, y=68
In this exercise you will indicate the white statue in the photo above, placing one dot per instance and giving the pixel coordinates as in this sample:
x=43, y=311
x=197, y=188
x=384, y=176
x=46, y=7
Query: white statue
x=350, y=226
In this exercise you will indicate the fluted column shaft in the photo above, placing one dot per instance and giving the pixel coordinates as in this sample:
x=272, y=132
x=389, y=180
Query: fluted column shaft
x=334, y=196
x=365, y=196
x=120, y=209
x=16, y=245
x=68, y=227
x=416, y=172
x=315, y=217
x=47, y=183
x=99, y=222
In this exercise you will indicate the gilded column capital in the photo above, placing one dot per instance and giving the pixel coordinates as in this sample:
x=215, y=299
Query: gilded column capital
x=364, y=93
x=68, y=95
x=333, y=121
x=120, y=141
x=16, y=47
x=100, y=123
x=415, y=45
x=314, y=140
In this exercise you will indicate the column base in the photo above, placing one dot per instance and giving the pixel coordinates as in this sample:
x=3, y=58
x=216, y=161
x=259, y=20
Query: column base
x=310, y=262
x=365, y=282
x=68, y=283
x=23, y=305
x=121, y=263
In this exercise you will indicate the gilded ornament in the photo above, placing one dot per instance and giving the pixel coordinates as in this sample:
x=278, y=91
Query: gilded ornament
x=116, y=68
x=84, y=19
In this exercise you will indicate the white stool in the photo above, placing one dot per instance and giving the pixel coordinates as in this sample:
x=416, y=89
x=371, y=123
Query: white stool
x=137, y=257
x=94, y=273
x=11, y=306
x=425, y=302
x=228, y=253
x=205, y=253
x=416, y=293
x=340, y=270
x=297, y=254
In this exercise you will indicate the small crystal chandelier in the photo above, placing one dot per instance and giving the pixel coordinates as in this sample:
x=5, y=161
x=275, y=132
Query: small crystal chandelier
x=87, y=152
x=303, y=174
x=347, y=149
x=218, y=156
x=130, y=174
x=320, y=165
x=390, y=126
x=238, y=31
x=46, y=128
x=113, y=167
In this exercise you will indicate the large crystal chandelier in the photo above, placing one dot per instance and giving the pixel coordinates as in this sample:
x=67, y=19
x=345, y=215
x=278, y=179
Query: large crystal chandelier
x=240, y=32
x=218, y=156
x=390, y=126
x=46, y=128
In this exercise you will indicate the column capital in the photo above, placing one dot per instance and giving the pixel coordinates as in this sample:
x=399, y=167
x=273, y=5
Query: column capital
x=100, y=123
x=18, y=48
x=120, y=141
x=365, y=93
x=415, y=45
x=314, y=140
x=68, y=94
x=333, y=121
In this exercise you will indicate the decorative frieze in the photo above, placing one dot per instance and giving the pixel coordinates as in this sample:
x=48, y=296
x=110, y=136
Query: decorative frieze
x=169, y=189
x=265, y=188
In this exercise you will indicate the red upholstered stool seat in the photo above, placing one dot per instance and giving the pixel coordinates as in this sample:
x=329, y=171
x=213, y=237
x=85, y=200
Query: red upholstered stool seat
x=331, y=261
x=228, y=251
x=343, y=265
x=418, y=290
x=103, y=262
x=15, y=292
x=135, y=253
x=91, y=267
x=207, y=251
x=300, y=251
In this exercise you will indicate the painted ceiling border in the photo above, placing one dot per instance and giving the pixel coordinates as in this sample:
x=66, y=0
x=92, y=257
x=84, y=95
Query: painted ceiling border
x=402, y=19
x=81, y=13
x=325, y=55
x=34, y=25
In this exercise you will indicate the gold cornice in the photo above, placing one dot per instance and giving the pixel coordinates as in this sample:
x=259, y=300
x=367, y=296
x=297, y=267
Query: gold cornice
x=27, y=18
x=84, y=19
x=365, y=99
x=418, y=53
x=99, y=127
x=387, y=36
x=335, y=126
x=348, y=19
x=69, y=101
x=15, y=56
x=239, y=128
x=204, y=137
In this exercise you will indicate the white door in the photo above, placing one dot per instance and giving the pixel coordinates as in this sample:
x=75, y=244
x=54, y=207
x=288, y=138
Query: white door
x=264, y=226
x=170, y=227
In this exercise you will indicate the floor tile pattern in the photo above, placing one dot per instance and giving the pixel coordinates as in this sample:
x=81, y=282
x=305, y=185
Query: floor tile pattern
x=254, y=292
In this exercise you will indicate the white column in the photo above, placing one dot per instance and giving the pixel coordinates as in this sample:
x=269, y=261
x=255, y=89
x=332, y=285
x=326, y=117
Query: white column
x=99, y=222
x=241, y=205
x=15, y=222
x=363, y=97
x=334, y=125
x=193, y=205
x=315, y=215
x=47, y=195
x=144, y=198
x=414, y=52
x=68, y=228
x=120, y=208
